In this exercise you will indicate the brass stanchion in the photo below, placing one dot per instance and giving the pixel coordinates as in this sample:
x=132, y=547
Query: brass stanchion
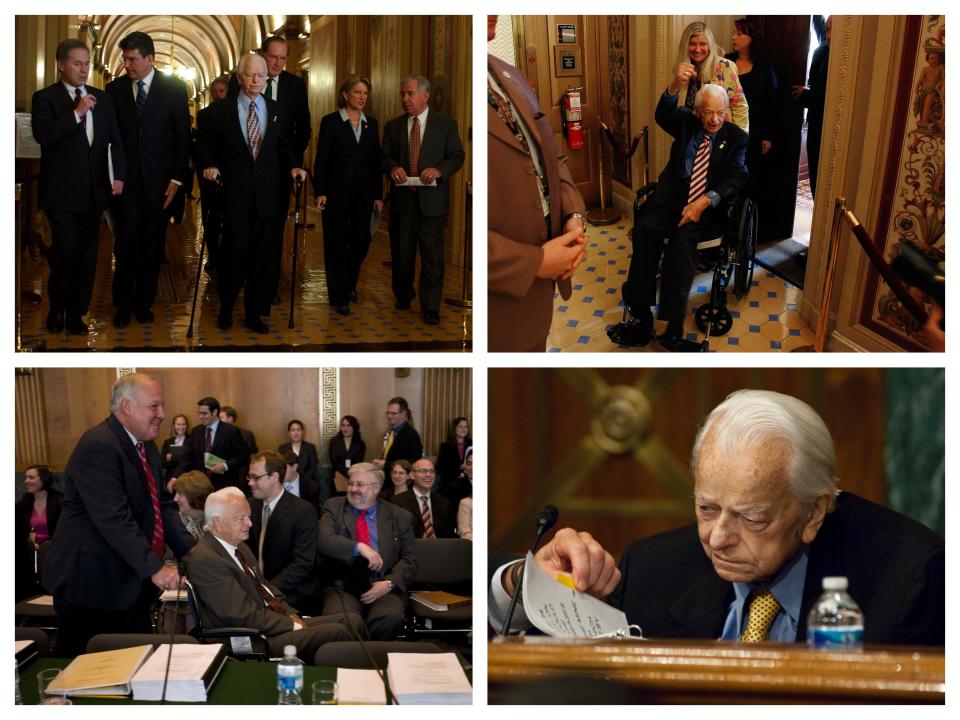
x=603, y=215
x=464, y=301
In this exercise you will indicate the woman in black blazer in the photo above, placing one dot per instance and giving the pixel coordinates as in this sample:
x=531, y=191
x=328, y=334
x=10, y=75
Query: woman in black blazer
x=347, y=447
x=450, y=459
x=176, y=452
x=41, y=496
x=306, y=452
x=348, y=187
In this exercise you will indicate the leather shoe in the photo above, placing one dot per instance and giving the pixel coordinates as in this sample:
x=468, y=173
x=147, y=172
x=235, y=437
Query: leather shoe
x=673, y=343
x=431, y=318
x=257, y=325
x=55, y=322
x=76, y=326
x=343, y=309
x=121, y=318
x=353, y=296
x=225, y=322
x=402, y=305
x=144, y=316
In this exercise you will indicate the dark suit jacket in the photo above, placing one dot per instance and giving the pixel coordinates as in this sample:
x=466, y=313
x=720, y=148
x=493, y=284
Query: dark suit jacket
x=727, y=173
x=395, y=537
x=158, y=147
x=444, y=520
x=70, y=168
x=440, y=148
x=54, y=506
x=292, y=96
x=227, y=444
x=226, y=596
x=290, y=545
x=339, y=454
x=448, y=464
x=182, y=458
x=521, y=304
x=406, y=446
x=345, y=168
x=815, y=98
x=307, y=460
x=101, y=554
x=895, y=567
x=259, y=185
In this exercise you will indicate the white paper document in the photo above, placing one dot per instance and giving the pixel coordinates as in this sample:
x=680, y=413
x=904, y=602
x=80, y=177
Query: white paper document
x=562, y=612
x=416, y=182
x=428, y=679
x=41, y=600
x=360, y=687
x=189, y=667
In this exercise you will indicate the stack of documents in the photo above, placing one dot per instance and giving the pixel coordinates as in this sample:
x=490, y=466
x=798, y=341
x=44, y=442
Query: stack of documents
x=439, y=600
x=360, y=687
x=428, y=679
x=193, y=669
x=103, y=673
x=26, y=651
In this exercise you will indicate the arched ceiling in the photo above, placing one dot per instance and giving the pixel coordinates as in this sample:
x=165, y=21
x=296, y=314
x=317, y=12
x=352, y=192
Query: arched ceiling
x=208, y=44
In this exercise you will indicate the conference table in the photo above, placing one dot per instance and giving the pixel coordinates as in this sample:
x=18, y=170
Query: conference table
x=535, y=669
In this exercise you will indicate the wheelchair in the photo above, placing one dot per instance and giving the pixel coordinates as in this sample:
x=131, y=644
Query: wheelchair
x=728, y=257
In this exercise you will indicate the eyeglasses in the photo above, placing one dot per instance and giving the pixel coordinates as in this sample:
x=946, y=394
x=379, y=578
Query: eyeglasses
x=357, y=484
x=425, y=471
x=253, y=478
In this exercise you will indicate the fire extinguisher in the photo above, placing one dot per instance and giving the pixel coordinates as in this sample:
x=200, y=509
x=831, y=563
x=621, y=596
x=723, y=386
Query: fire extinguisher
x=573, y=118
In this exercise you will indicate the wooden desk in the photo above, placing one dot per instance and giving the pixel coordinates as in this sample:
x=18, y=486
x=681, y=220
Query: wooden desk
x=711, y=672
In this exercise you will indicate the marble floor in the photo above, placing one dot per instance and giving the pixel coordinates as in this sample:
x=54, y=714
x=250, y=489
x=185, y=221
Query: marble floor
x=764, y=320
x=375, y=324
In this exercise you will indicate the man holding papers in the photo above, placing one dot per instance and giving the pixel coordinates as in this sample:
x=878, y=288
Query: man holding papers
x=218, y=447
x=105, y=566
x=771, y=524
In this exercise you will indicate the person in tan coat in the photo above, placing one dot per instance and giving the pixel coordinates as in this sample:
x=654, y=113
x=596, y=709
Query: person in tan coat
x=536, y=234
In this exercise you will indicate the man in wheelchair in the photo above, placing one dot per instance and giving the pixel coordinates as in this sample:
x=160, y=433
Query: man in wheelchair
x=706, y=171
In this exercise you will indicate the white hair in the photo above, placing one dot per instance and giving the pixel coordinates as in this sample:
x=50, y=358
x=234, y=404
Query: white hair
x=126, y=387
x=366, y=469
x=251, y=57
x=711, y=90
x=748, y=419
x=219, y=502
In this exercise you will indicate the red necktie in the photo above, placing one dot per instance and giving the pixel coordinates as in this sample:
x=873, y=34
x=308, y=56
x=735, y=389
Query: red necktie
x=76, y=98
x=698, y=176
x=415, y=148
x=428, y=533
x=157, y=541
x=362, y=531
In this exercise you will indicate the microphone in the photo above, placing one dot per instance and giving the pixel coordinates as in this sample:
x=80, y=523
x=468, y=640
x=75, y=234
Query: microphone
x=173, y=633
x=338, y=586
x=545, y=522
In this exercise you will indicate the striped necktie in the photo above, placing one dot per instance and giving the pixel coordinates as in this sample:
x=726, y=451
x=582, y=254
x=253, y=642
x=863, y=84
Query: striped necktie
x=253, y=130
x=428, y=533
x=141, y=99
x=763, y=609
x=415, y=148
x=156, y=541
x=701, y=163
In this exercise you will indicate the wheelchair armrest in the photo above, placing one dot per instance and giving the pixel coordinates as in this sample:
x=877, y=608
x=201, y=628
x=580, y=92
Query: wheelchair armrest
x=223, y=632
x=646, y=190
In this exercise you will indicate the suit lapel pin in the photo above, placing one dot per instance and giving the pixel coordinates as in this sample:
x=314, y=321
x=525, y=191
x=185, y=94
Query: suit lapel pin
x=723, y=144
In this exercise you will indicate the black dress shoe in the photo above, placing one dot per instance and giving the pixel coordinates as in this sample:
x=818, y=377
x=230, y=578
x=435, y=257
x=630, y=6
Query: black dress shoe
x=55, y=322
x=276, y=300
x=631, y=333
x=353, y=296
x=121, y=318
x=225, y=322
x=431, y=318
x=144, y=316
x=257, y=325
x=343, y=309
x=76, y=326
x=402, y=305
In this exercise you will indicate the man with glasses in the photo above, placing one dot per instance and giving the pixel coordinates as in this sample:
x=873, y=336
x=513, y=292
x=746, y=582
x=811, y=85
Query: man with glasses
x=432, y=516
x=284, y=533
x=361, y=533
x=401, y=441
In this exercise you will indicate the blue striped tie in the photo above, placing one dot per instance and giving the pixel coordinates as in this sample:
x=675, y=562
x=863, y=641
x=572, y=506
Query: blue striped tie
x=141, y=99
x=698, y=177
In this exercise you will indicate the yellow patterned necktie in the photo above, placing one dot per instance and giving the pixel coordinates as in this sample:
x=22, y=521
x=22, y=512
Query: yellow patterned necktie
x=763, y=609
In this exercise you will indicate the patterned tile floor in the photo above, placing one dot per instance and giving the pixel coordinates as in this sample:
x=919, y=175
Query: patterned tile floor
x=765, y=320
x=374, y=326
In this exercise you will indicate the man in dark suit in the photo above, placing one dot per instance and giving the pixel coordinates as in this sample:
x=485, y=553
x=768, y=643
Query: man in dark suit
x=706, y=169
x=155, y=125
x=432, y=515
x=228, y=414
x=284, y=533
x=105, y=566
x=401, y=441
x=300, y=485
x=247, y=146
x=209, y=193
x=231, y=590
x=770, y=526
x=222, y=440
x=422, y=144
x=362, y=526
x=75, y=125
x=813, y=96
x=531, y=250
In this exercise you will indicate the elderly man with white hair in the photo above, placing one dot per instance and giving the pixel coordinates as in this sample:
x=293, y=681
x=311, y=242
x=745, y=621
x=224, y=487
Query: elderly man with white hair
x=771, y=524
x=707, y=167
x=232, y=592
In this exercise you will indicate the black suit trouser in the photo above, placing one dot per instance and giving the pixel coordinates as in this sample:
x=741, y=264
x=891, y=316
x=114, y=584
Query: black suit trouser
x=244, y=257
x=275, y=258
x=73, y=260
x=814, y=131
x=141, y=231
x=679, y=259
x=319, y=630
x=409, y=230
x=78, y=623
x=384, y=615
x=346, y=240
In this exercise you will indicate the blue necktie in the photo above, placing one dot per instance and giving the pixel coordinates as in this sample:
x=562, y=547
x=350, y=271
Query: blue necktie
x=141, y=99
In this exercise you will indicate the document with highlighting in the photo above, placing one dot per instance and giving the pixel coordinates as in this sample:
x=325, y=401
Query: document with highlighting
x=102, y=673
x=560, y=611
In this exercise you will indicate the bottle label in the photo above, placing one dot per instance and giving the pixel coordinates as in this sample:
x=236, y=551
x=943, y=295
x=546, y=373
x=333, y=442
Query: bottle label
x=837, y=637
x=289, y=681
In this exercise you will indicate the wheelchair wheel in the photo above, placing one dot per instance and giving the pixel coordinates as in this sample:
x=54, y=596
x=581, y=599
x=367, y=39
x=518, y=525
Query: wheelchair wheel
x=716, y=317
x=746, y=245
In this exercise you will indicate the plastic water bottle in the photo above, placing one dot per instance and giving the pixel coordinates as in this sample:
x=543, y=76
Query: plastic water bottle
x=290, y=677
x=836, y=621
